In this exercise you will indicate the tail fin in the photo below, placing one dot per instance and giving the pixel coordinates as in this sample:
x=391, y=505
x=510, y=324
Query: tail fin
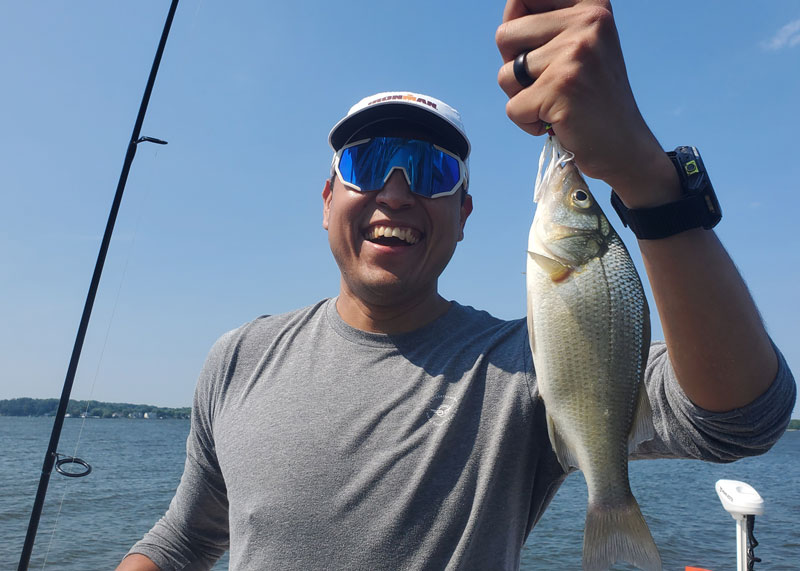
x=618, y=533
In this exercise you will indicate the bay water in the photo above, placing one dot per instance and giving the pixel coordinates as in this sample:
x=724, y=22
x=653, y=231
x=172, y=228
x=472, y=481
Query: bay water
x=89, y=523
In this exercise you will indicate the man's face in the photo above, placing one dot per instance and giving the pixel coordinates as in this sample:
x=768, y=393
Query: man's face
x=382, y=270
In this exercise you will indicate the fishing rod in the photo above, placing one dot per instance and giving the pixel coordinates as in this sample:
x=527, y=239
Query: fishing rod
x=51, y=457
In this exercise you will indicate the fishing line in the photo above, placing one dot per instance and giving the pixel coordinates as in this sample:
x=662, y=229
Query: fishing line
x=74, y=458
x=196, y=12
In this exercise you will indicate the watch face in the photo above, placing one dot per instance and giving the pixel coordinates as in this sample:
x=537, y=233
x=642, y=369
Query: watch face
x=690, y=167
x=695, y=180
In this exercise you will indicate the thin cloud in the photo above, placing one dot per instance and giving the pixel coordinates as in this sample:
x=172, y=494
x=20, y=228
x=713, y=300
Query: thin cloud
x=787, y=37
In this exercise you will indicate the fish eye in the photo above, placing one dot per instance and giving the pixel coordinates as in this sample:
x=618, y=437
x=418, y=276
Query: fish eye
x=580, y=198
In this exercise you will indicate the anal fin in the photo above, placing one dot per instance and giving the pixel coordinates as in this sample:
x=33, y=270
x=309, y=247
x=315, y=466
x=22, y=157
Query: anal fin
x=642, y=428
x=565, y=456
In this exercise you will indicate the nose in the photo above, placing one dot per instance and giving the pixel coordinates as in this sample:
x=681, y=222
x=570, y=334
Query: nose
x=396, y=193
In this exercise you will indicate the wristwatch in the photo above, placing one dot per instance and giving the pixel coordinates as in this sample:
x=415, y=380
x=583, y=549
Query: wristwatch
x=698, y=206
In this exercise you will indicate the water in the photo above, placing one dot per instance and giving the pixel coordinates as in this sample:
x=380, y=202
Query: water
x=137, y=465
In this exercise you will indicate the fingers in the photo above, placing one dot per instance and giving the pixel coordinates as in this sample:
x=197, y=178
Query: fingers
x=528, y=33
x=536, y=62
x=535, y=34
x=531, y=112
x=581, y=84
x=518, y=8
x=529, y=24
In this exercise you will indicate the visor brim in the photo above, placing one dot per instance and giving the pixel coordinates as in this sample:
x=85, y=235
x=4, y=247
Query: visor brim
x=447, y=135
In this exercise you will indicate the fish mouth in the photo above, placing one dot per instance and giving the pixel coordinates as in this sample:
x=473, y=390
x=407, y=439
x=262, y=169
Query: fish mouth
x=390, y=235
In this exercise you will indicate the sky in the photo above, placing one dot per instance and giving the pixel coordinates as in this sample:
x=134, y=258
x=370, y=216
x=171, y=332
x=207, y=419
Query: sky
x=224, y=223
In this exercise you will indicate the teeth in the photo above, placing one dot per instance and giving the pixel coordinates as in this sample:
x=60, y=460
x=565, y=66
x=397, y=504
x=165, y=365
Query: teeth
x=406, y=234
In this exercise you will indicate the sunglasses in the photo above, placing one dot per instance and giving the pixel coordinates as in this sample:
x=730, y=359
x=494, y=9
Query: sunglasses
x=430, y=170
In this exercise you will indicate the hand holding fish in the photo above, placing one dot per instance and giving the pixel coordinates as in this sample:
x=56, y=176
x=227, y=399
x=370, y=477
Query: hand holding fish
x=564, y=72
x=581, y=88
x=718, y=346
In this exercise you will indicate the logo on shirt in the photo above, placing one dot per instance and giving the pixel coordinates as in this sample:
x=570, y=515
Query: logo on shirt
x=440, y=409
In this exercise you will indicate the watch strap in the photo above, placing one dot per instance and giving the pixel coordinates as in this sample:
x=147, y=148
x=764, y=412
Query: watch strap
x=664, y=220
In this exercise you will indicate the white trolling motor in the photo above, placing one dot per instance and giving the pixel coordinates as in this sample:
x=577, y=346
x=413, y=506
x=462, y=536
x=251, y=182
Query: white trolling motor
x=743, y=503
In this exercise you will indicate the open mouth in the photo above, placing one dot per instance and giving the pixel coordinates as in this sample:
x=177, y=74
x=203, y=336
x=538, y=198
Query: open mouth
x=392, y=236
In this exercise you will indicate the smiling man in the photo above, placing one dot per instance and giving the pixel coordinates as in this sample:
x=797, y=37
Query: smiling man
x=390, y=428
x=395, y=208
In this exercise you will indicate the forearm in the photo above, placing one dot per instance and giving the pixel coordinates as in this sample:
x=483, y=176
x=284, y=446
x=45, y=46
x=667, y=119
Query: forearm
x=136, y=562
x=719, y=349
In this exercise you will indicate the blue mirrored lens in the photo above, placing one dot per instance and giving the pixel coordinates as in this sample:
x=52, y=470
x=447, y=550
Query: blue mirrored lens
x=429, y=171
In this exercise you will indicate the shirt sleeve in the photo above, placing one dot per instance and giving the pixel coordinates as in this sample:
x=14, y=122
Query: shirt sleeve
x=193, y=533
x=685, y=430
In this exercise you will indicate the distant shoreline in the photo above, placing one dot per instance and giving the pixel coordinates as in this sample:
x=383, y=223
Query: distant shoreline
x=97, y=409
x=90, y=409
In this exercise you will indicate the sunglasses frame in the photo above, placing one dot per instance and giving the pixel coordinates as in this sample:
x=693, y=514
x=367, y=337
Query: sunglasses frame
x=462, y=168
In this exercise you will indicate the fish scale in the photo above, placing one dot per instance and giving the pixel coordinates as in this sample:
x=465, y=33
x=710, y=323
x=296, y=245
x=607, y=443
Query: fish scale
x=589, y=330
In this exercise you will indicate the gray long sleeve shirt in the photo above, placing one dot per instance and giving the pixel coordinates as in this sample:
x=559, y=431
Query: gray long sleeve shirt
x=318, y=446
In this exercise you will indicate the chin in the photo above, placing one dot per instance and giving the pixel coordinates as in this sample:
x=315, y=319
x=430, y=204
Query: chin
x=385, y=292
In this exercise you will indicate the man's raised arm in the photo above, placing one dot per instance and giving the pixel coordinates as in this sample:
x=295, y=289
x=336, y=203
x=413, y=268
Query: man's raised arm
x=717, y=344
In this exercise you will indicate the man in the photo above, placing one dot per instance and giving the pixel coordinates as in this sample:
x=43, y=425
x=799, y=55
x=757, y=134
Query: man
x=389, y=428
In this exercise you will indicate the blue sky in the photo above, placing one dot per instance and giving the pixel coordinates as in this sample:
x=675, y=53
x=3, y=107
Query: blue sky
x=224, y=223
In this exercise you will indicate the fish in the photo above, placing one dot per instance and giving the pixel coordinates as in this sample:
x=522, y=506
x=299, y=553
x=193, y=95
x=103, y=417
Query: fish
x=589, y=330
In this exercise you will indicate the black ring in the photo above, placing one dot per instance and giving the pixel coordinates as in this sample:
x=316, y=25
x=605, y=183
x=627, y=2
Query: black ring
x=521, y=70
x=72, y=460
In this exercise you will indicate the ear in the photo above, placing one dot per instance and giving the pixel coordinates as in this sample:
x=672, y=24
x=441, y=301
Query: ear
x=327, y=196
x=466, y=210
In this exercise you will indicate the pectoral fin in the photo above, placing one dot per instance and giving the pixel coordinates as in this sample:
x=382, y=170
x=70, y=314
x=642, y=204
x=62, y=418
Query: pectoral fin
x=555, y=269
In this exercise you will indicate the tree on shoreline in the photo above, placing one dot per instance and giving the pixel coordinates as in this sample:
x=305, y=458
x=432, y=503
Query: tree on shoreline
x=47, y=407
